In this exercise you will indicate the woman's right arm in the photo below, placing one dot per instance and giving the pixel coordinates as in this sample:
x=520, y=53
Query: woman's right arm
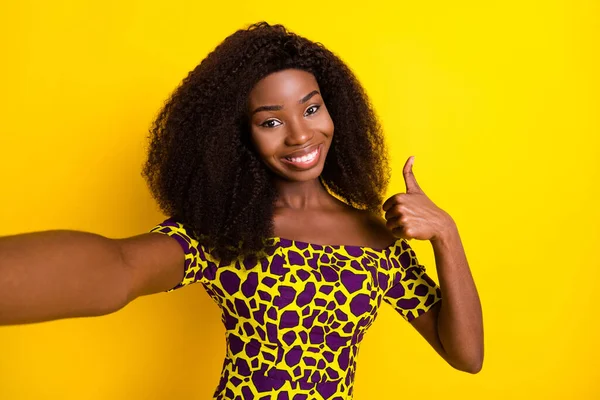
x=64, y=274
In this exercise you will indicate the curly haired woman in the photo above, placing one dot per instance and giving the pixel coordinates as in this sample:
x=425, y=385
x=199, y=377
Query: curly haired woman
x=271, y=164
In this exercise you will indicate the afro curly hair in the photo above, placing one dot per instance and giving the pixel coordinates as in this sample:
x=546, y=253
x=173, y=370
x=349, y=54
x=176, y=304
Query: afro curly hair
x=202, y=168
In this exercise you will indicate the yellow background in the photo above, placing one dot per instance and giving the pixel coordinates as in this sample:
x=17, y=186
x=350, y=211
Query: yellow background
x=499, y=103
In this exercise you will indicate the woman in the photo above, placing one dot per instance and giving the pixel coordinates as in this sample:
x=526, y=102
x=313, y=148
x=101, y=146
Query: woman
x=272, y=166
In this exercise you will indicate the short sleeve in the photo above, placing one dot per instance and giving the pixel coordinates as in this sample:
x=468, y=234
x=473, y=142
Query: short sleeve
x=195, y=257
x=411, y=292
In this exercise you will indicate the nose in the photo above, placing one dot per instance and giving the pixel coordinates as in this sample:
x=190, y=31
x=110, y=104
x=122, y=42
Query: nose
x=298, y=133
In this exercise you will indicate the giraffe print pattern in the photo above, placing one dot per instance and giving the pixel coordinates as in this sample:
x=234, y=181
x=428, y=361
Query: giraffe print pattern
x=295, y=318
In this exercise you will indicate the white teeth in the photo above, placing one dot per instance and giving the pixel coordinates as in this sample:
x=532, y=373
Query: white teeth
x=306, y=158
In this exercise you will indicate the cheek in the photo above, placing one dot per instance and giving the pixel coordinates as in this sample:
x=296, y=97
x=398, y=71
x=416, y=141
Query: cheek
x=330, y=127
x=264, y=148
x=327, y=126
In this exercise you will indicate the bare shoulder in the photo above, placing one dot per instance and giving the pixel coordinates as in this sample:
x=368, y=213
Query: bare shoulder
x=374, y=227
x=155, y=262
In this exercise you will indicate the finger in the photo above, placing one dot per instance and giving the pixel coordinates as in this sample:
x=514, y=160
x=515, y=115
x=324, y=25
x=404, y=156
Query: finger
x=409, y=177
x=397, y=210
x=401, y=233
x=392, y=211
x=388, y=203
x=397, y=199
x=393, y=223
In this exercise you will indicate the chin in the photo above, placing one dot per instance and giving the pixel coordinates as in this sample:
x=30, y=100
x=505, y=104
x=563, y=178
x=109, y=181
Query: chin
x=281, y=172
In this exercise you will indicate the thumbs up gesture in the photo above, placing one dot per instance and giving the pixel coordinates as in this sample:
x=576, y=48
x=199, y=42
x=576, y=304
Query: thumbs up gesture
x=412, y=215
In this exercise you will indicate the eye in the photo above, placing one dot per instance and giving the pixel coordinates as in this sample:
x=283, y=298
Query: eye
x=313, y=108
x=270, y=123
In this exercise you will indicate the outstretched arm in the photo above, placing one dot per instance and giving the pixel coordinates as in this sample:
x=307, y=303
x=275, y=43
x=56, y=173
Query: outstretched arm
x=63, y=274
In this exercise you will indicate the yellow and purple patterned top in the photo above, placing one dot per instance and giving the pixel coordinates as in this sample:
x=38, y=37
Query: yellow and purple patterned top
x=294, y=320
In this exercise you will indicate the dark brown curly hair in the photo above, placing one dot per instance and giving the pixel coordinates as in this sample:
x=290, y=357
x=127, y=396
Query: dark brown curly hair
x=202, y=168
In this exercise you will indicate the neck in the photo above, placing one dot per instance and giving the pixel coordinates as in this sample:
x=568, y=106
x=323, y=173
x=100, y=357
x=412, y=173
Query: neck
x=302, y=195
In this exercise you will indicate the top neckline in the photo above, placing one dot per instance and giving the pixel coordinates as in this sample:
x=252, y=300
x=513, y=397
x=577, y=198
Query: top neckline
x=391, y=246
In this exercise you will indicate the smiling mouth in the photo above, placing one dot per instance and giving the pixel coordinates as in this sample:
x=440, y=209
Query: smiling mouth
x=307, y=161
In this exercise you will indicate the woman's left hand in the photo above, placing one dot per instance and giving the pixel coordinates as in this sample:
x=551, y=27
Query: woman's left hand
x=412, y=215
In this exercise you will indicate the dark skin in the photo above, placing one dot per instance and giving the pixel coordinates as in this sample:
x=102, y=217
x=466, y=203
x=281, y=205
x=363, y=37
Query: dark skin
x=290, y=119
x=292, y=133
x=305, y=211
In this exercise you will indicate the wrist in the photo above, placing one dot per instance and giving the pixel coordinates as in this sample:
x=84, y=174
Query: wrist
x=447, y=234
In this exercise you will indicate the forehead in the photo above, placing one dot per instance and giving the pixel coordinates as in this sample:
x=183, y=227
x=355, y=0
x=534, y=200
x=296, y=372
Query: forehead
x=289, y=85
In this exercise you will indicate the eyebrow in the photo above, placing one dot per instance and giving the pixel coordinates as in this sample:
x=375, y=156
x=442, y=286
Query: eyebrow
x=277, y=108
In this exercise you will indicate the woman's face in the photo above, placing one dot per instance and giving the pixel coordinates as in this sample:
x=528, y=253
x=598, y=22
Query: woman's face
x=291, y=128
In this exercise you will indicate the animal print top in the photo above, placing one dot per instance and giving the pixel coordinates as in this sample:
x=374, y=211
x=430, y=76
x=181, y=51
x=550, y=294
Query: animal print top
x=295, y=319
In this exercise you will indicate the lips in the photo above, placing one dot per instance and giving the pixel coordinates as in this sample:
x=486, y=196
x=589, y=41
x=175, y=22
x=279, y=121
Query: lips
x=305, y=151
x=310, y=157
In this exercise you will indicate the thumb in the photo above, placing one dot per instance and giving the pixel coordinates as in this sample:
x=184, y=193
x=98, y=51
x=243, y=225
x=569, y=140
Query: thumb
x=409, y=177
